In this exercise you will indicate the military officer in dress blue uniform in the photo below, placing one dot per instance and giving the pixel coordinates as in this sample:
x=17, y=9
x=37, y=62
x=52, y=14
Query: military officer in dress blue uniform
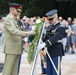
x=12, y=43
x=52, y=41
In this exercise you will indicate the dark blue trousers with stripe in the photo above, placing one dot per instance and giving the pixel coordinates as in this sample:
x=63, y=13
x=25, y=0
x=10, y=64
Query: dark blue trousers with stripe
x=42, y=68
x=50, y=68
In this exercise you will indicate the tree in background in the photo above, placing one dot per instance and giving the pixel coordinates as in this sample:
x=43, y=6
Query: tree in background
x=40, y=7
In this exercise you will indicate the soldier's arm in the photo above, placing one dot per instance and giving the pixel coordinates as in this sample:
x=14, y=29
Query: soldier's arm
x=60, y=33
x=9, y=24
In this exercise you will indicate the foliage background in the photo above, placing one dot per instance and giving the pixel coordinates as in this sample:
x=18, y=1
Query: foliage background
x=31, y=8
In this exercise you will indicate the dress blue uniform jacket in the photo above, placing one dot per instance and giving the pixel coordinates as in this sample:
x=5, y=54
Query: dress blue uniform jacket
x=53, y=39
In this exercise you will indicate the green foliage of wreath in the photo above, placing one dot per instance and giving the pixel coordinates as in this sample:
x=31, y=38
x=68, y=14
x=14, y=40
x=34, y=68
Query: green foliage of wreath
x=33, y=44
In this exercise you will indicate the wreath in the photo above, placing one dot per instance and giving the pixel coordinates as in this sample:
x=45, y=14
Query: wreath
x=33, y=45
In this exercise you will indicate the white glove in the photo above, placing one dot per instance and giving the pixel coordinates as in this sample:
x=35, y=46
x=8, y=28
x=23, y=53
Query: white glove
x=41, y=46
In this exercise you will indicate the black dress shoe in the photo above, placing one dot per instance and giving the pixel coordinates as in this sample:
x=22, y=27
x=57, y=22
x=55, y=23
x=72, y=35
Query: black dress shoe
x=72, y=52
x=43, y=73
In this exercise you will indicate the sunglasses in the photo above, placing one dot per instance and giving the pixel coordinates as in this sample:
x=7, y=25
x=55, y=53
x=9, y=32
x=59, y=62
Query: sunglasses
x=50, y=19
x=23, y=20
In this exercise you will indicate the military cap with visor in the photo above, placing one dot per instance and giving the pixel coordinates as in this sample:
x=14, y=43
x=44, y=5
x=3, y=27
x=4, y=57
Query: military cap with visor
x=17, y=6
x=51, y=14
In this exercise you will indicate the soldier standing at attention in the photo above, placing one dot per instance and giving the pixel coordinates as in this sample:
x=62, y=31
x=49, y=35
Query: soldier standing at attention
x=52, y=41
x=12, y=44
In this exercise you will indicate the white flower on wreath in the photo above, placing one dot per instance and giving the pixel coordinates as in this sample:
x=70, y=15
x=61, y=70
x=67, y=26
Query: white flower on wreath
x=38, y=21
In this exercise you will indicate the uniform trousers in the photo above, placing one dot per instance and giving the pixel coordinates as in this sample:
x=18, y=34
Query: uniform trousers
x=43, y=68
x=50, y=68
x=11, y=64
x=19, y=63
